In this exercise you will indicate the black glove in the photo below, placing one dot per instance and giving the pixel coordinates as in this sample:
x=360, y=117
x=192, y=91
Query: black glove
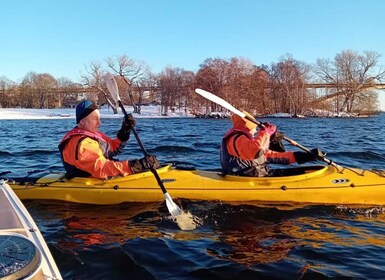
x=276, y=142
x=302, y=157
x=277, y=136
x=128, y=124
x=143, y=164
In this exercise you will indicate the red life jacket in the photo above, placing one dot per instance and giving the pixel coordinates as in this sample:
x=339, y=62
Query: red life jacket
x=237, y=166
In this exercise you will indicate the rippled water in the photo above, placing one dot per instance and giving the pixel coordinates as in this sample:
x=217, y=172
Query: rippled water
x=139, y=241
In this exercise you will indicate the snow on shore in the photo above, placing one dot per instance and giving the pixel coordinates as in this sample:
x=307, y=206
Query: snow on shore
x=22, y=113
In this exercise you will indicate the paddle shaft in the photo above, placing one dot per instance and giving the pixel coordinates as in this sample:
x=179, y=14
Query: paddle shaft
x=144, y=151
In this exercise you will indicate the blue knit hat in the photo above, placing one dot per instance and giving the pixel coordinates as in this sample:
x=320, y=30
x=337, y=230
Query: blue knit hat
x=83, y=109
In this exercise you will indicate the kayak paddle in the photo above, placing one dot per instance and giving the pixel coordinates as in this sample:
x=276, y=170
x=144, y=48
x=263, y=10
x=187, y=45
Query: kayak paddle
x=228, y=106
x=113, y=89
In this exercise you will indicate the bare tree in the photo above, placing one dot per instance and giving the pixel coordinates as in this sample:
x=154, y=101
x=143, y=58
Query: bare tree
x=367, y=102
x=146, y=89
x=352, y=74
x=95, y=78
x=259, y=91
x=36, y=90
x=288, y=83
x=8, y=90
x=246, y=85
x=237, y=80
x=212, y=76
x=131, y=71
x=237, y=87
x=169, y=81
x=187, y=92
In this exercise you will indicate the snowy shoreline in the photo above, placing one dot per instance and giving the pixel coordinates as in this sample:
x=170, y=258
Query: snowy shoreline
x=146, y=112
x=69, y=113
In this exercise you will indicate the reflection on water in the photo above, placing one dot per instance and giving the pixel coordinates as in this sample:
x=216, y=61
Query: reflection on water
x=313, y=239
x=231, y=241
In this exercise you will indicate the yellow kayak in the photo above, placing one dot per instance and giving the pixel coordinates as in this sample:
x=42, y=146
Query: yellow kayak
x=312, y=184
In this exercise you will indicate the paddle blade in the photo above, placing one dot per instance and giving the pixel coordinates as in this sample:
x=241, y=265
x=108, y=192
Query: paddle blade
x=172, y=207
x=219, y=101
x=112, y=87
x=184, y=220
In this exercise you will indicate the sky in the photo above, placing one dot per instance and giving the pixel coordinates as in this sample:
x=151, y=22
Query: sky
x=63, y=37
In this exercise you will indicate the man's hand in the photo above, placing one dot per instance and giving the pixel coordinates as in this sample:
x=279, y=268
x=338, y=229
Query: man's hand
x=128, y=124
x=144, y=164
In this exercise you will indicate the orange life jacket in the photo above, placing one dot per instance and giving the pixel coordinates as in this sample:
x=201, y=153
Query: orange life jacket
x=86, y=154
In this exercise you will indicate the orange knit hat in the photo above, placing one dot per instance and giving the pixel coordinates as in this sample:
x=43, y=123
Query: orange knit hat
x=243, y=122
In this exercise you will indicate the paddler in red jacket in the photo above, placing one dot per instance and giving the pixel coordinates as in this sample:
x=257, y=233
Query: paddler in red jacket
x=87, y=152
x=245, y=155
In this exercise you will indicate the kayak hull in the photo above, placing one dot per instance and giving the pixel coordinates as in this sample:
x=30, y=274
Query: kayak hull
x=317, y=184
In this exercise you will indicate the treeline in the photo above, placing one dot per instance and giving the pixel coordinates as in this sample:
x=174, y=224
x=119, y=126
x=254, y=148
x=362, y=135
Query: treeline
x=346, y=83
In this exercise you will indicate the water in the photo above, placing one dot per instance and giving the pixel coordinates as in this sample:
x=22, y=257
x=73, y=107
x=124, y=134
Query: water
x=139, y=241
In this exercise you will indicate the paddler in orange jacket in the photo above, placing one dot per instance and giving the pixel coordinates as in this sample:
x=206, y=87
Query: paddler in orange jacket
x=245, y=155
x=87, y=152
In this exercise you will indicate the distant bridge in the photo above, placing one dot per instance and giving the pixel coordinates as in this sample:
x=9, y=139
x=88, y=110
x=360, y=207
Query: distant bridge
x=366, y=87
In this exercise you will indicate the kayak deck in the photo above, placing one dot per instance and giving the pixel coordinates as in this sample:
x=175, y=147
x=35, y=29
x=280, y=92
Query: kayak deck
x=310, y=184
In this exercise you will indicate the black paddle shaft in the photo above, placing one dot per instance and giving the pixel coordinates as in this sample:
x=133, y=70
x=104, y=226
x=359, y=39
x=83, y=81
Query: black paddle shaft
x=144, y=151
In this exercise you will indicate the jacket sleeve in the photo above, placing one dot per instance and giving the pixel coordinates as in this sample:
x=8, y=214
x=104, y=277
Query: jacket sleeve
x=279, y=157
x=91, y=159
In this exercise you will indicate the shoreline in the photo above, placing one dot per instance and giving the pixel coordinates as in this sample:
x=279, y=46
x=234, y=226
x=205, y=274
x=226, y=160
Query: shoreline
x=147, y=112
x=69, y=113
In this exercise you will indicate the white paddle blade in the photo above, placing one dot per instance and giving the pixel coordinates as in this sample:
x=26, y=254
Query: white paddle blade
x=172, y=207
x=112, y=87
x=219, y=101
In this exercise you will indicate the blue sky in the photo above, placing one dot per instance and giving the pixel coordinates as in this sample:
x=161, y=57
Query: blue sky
x=62, y=37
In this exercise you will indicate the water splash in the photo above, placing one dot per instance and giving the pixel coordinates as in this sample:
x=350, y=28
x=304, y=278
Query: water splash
x=186, y=221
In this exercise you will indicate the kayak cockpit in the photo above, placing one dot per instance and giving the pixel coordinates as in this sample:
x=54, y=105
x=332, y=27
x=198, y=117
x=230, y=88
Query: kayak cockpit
x=284, y=174
x=292, y=171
